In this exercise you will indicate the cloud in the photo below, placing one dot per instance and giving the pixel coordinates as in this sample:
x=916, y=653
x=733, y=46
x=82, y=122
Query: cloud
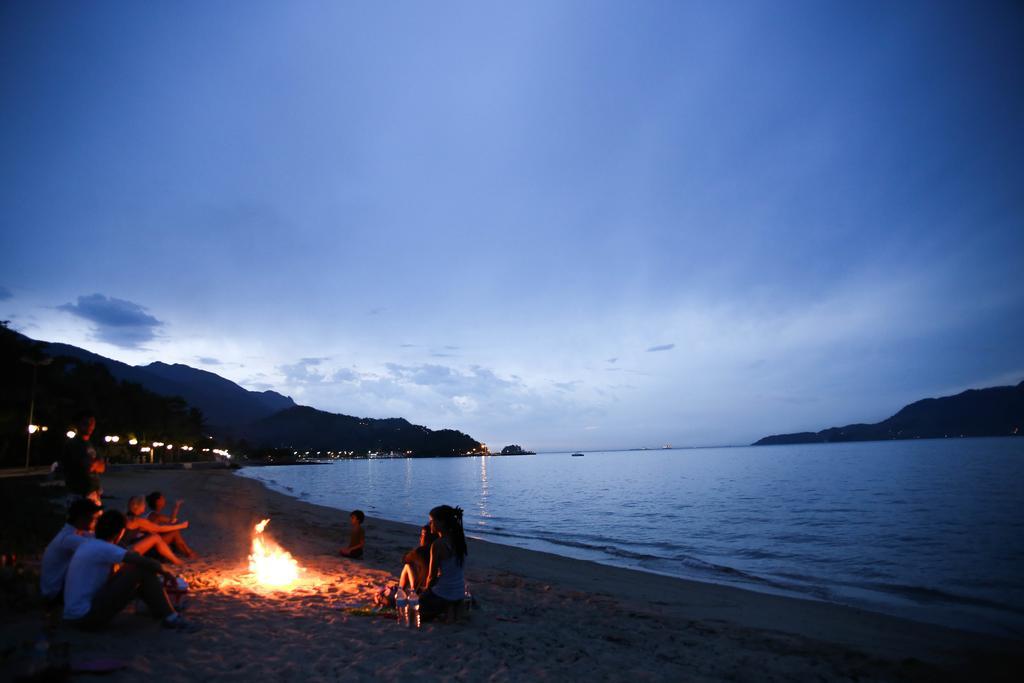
x=302, y=371
x=5, y=293
x=375, y=311
x=612, y=360
x=426, y=374
x=465, y=403
x=568, y=386
x=345, y=375
x=430, y=382
x=661, y=347
x=115, y=321
x=207, y=360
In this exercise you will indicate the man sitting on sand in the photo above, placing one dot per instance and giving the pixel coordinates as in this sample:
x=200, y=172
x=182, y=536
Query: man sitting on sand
x=357, y=537
x=81, y=521
x=96, y=589
x=175, y=539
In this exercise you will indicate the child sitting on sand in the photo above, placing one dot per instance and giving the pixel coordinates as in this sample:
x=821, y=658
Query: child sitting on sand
x=357, y=537
x=416, y=562
x=157, y=503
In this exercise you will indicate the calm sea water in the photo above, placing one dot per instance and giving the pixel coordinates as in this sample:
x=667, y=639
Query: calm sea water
x=932, y=530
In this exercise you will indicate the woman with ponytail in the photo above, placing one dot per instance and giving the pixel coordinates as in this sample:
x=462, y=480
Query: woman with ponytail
x=447, y=559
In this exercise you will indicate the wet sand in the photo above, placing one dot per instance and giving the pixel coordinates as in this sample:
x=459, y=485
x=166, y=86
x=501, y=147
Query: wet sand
x=540, y=616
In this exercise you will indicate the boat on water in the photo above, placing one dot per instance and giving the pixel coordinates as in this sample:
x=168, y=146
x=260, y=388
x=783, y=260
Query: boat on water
x=577, y=455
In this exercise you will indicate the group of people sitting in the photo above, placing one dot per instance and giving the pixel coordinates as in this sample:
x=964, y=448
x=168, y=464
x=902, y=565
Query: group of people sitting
x=434, y=571
x=103, y=559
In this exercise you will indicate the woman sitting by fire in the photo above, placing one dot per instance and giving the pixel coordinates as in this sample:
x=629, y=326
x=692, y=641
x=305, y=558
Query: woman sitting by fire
x=416, y=563
x=447, y=579
x=157, y=502
x=144, y=536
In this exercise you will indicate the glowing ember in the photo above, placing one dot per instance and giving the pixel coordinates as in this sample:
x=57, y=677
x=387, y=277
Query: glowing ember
x=271, y=565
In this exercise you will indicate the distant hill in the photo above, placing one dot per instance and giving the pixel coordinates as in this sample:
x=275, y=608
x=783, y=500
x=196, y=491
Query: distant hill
x=998, y=411
x=266, y=418
x=226, y=406
x=310, y=428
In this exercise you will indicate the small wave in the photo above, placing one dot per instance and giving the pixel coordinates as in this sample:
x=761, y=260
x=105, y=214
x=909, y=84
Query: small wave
x=636, y=557
x=927, y=595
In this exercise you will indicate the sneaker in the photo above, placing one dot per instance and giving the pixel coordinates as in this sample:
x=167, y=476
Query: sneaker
x=181, y=624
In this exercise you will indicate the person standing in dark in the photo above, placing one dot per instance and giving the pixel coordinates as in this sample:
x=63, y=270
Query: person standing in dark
x=82, y=467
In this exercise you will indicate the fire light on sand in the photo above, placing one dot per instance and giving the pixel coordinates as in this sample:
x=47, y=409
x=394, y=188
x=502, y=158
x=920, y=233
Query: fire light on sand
x=271, y=565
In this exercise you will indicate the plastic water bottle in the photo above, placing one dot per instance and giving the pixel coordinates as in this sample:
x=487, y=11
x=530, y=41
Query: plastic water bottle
x=181, y=593
x=414, y=610
x=401, y=606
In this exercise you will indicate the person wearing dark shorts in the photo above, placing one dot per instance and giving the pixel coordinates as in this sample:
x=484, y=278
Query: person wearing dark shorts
x=94, y=593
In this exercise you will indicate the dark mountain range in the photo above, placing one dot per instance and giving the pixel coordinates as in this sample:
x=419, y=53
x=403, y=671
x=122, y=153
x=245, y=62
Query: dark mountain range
x=998, y=411
x=264, y=419
x=63, y=386
x=226, y=406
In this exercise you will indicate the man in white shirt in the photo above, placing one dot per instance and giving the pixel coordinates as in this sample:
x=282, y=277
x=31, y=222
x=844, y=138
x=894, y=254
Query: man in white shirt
x=94, y=593
x=81, y=520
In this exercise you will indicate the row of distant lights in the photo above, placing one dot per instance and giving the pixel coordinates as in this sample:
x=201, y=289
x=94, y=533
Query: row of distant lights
x=333, y=454
x=71, y=433
x=329, y=452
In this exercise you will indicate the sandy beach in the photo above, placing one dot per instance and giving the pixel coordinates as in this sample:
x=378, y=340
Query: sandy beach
x=540, y=616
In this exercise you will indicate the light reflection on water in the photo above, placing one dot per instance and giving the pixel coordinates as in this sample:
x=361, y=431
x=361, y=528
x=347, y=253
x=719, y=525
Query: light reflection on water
x=482, y=502
x=929, y=529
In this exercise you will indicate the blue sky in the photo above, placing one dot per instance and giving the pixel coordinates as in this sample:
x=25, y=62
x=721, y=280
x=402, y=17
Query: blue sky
x=561, y=224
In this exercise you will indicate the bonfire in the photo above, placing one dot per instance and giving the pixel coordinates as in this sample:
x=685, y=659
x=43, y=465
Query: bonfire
x=271, y=565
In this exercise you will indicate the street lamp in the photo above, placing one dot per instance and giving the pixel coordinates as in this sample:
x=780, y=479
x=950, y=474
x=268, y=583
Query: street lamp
x=32, y=401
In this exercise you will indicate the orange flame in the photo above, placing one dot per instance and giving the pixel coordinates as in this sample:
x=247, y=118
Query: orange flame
x=271, y=565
